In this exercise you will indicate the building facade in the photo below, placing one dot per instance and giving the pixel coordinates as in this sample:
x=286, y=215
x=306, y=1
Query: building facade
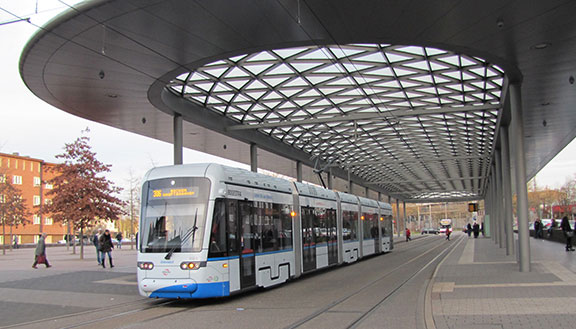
x=30, y=175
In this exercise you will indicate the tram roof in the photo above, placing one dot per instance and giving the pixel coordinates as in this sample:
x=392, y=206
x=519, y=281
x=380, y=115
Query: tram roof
x=405, y=97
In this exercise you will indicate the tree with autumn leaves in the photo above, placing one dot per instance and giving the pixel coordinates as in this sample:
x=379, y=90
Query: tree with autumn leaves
x=13, y=210
x=82, y=196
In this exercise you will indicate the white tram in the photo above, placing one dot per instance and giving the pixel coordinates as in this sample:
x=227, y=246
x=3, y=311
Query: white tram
x=208, y=230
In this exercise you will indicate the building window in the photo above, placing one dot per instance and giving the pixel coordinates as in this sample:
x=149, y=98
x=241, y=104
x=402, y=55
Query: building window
x=37, y=181
x=48, y=221
x=2, y=179
x=36, y=219
x=49, y=186
x=36, y=200
x=2, y=198
x=48, y=201
x=17, y=180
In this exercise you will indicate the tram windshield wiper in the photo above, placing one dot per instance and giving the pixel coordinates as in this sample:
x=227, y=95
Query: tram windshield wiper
x=190, y=233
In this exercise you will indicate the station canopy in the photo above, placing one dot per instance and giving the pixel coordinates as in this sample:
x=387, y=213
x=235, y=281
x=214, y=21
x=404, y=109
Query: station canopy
x=405, y=98
x=417, y=121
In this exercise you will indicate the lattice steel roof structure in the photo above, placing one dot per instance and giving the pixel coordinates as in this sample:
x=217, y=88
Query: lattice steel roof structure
x=405, y=98
x=404, y=118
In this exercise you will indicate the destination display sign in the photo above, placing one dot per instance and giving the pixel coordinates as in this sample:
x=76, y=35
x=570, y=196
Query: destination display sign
x=174, y=193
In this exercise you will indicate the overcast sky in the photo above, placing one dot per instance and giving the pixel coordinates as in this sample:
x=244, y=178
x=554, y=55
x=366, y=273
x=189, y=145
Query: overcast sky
x=33, y=128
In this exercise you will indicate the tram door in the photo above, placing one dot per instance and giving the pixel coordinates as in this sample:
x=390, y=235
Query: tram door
x=308, y=239
x=246, y=232
x=332, y=236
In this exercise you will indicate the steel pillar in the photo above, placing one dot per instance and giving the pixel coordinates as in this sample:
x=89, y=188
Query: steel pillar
x=404, y=214
x=366, y=190
x=398, y=217
x=499, y=200
x=178, y=137
x=253, y=158
x=507, y=190
x=330, y=179
x=299, y=171
x=520, y=170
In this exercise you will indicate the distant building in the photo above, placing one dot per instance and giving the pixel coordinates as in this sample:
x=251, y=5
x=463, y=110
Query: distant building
x=29, y=175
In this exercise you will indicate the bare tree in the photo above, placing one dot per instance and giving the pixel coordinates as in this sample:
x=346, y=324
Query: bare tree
x=132, y=193
x=13, y=210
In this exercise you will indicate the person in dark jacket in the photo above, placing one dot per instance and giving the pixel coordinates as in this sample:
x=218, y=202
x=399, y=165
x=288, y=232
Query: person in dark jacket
x=106, y=247
x=537, y=225
x=476, y=230
x=568, y=232
x=96, y=243
x=469, y=229
x=40, y=252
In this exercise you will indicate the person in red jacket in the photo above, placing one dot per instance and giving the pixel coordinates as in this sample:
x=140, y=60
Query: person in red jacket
x=408, y=238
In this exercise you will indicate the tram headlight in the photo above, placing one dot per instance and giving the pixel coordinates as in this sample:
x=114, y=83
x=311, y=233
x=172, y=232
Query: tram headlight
x=189, y=265
x=145, y=265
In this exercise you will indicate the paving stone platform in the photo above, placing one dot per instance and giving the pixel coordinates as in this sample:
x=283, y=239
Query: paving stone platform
x=478, y=286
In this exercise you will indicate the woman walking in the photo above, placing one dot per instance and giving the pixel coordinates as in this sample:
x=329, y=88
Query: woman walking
x=568, y=233
x=40, y=253
x=106, y=247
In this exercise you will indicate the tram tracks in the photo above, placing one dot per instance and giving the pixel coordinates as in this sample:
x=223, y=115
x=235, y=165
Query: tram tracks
x=139, y=312
x=371, y=310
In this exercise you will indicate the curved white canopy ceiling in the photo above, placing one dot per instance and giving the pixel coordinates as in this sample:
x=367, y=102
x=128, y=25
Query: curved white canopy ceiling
x=417, y=121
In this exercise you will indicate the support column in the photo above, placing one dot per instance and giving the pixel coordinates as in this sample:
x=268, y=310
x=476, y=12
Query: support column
x=299, y=171
x=398, y=217
x=253, y=157
x=499, y=200
x=379, y=196
x=494, y=206
x=366, y=191
x=330, y=179
x=404, y=215
x=507, y=190
x=520, y=170
x=178, y=137
x=349, y=182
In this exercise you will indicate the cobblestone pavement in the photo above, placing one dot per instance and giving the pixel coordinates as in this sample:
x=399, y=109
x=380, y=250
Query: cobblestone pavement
x=478, y=286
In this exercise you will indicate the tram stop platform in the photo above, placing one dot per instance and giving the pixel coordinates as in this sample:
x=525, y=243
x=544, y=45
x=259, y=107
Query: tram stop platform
x=478, y=286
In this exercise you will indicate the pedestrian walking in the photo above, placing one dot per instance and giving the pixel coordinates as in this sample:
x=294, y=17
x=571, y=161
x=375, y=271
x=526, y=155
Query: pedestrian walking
x=40, y=253
x=448, y=232
x=106, y=247
x=469, y=229
x=16, y=246
x=408, y=238
x=568, y=233
x=536, y=227
x=96, y=243
x=119, y=238
x=476, y=230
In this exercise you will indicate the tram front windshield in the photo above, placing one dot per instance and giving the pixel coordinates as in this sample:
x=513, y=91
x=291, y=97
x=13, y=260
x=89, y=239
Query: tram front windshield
x=174, y=215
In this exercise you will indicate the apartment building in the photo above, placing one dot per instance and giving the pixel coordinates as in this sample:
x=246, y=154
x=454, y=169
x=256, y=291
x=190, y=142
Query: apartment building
x=29, y=175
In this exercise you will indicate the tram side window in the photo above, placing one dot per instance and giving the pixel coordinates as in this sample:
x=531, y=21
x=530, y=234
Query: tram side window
x=350, y=225
x=273, y=226
x=218, y=232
